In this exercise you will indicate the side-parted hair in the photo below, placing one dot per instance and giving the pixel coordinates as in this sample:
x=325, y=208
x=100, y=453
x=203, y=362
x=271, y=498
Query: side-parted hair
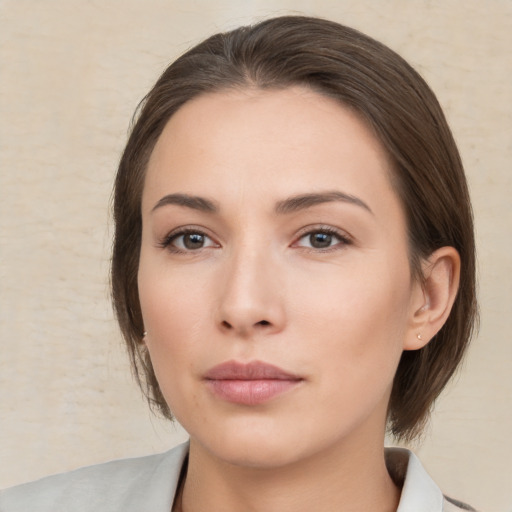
x=400, y=109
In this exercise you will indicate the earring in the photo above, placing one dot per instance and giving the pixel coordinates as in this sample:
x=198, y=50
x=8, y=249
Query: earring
x=419, y=336
x=144, y=334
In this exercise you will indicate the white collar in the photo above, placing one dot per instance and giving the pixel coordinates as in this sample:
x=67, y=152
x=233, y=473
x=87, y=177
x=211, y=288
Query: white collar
x=419, y=492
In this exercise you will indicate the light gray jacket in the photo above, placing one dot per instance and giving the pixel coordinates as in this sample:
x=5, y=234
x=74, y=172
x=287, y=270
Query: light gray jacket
x=148, y=484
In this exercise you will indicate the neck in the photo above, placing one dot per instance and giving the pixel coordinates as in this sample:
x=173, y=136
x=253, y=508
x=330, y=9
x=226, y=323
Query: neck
x=351, y=478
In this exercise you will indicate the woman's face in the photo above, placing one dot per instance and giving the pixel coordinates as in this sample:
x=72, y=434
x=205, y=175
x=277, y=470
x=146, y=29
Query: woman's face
x=274, y=277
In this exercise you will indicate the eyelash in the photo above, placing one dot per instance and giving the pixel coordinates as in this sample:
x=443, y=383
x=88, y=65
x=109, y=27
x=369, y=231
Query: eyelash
x=343, y=239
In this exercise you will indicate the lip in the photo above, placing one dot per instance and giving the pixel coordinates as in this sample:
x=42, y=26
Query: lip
x=249, y=383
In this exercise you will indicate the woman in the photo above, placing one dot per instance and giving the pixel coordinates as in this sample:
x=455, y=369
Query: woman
x=293, y=273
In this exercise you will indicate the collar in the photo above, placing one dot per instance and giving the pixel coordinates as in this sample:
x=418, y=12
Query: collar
x=419, y=492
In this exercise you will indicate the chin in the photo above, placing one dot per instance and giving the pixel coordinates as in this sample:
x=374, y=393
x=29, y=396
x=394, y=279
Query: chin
x=266, y=445
x=250, y=444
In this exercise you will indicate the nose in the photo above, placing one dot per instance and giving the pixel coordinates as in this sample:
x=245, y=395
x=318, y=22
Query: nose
x=251, y=295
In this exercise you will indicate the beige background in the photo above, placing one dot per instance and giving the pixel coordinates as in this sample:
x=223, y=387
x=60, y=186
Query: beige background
x=71, y=74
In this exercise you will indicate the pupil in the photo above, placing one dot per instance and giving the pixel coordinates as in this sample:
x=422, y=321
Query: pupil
x=193, y=241
x=320, y=240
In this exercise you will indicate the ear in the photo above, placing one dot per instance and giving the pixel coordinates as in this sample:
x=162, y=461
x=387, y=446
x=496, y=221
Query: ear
x=432, y=299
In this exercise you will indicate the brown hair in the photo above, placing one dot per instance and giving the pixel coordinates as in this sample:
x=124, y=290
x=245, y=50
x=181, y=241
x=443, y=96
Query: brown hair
x=396, y=104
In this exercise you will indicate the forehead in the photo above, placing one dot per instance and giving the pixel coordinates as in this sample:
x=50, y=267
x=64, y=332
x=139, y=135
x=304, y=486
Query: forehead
x=273, y=143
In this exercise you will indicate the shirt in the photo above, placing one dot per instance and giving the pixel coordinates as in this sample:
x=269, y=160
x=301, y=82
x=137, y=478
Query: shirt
x=148, y=484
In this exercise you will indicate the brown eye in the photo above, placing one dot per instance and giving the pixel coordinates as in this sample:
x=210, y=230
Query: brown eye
x=185, y=241
x=323, y=238
x=193, y=241
x=320, y=240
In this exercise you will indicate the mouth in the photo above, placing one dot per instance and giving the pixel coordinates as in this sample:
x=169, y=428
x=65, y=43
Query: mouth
x=249, y=383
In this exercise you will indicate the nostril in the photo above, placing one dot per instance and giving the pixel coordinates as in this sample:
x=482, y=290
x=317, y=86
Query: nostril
x=228, y=326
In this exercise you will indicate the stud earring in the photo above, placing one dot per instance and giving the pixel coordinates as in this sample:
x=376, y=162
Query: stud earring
x=144, y=334
x=419, y=336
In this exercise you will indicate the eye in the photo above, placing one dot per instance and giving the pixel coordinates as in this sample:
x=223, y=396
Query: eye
x=187, y=240
x=324, y=238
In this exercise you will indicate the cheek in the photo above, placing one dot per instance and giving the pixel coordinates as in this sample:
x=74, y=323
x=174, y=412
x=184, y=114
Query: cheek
x=171, y=346
x=167, y=310
x=177, y=310
x=357, y=319
x=353, y=341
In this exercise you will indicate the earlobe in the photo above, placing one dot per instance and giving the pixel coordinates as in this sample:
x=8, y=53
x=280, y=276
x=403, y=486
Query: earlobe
x=431, y=307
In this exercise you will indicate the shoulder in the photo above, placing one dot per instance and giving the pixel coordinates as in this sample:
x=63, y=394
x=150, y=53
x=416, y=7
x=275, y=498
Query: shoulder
x=122, y=485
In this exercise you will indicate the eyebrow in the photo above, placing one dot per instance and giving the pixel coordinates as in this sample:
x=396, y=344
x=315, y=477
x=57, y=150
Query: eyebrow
x=286, y=206
x=304, y=201
x=194, y=202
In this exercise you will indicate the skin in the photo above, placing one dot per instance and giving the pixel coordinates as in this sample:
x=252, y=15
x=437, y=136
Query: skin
x=255, y=288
